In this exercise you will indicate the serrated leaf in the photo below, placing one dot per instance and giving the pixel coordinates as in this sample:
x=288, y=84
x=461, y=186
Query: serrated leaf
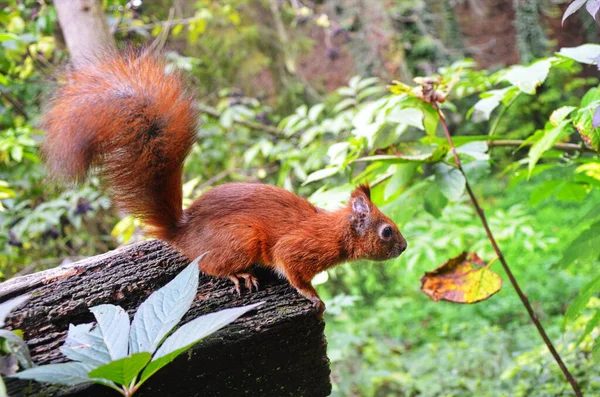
x=68, y=374
x=463, y=279
x=158, y=314
x=18, y=347
x=8, y=306
x=528, y=78
x=450, y=181
x=85, y=345
x=572, y=8
x=191, y=333
x=113, y=325
x=122, y=371
x=585, y=53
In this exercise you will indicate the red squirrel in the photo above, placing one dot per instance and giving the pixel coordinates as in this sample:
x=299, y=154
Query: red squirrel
x=124, y=115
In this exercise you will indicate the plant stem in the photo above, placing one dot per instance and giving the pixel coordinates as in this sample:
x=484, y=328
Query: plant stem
x=509, y=273
x=501, y=115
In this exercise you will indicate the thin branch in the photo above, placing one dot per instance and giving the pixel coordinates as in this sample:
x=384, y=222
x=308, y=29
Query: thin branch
x=502, y=112
x=16, y=105
x=165, y=24
x=212, y=112
x=507, y=269
x=566, y=147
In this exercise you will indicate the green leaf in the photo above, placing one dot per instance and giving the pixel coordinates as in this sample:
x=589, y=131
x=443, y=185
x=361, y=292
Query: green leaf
x=401, y=177
x=543, y=191
x=321, y=174
x=584, y=118
x=546, y=142
x=589, y=327
x=582, y=299
x=435, y=201
x=489, y=101
x=9, y=306
x=113, y=324
x=3, y=392
x=344, y=104
x=8, y=36
x=68, y=374
x=85, y=345
x=410, y=116
x=315, y=112
x=158, y=314
x=572, y=191
x=18, y=347
x=528, y=78
x=584, y=248
x=560, y=114
x=189, y=334
x=17, y=153
x=427, y=154
x=586, y=53
x=122, y=371
x=450, y=181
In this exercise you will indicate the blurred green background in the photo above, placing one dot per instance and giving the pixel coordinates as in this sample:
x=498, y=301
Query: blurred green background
x=294, y=94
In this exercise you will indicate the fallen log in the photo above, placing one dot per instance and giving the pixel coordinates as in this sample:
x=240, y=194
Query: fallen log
x=277, y=350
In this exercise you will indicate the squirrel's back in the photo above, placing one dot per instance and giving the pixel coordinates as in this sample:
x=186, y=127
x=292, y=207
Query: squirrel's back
x=126, y=116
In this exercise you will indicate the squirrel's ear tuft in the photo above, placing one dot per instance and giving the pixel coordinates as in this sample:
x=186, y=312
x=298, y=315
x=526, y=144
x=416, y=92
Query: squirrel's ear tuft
x=362, y=190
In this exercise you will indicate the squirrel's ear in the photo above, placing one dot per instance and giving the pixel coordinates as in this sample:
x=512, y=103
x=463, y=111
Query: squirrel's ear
x=360, y=205
x=360, y=219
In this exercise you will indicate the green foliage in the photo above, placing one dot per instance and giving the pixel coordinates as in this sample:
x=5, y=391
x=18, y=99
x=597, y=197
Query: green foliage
x=264, y=123
x=123, y=356
x=14, y=353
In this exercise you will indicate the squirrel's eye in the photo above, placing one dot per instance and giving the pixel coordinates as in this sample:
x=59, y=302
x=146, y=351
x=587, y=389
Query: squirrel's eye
x=386, y=232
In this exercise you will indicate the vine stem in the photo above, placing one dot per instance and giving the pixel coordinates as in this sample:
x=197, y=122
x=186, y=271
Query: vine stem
x=509, y=273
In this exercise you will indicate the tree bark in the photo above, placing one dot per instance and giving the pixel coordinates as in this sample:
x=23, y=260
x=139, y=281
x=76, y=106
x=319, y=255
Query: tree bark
x=279, y=350
x=84, y=28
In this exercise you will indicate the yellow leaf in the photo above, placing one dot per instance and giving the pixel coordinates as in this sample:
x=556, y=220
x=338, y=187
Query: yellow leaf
x=463, y=279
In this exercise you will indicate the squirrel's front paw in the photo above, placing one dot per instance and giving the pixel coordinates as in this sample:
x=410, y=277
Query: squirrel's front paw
x=320, y=306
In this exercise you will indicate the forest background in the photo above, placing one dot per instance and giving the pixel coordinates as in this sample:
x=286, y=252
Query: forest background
x=296, y=93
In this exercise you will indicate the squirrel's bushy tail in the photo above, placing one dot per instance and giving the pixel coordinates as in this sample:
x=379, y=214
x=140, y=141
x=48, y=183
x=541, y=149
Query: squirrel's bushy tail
x=126, y=116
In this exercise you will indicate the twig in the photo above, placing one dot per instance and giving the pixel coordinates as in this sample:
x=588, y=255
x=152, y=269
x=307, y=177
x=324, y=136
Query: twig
x=212, y=112
x=566, y=147
x=16, y=105
x=165, y=24
x=500, y=116
x=509, y=273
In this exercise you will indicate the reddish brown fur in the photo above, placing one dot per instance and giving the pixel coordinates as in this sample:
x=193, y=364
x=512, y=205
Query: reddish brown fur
x=126, y=116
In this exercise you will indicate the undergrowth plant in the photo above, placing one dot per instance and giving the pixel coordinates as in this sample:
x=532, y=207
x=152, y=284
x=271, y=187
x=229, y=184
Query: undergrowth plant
x=123, y=355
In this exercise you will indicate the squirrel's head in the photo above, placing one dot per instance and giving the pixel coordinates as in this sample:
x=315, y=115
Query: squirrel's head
x=375, y=236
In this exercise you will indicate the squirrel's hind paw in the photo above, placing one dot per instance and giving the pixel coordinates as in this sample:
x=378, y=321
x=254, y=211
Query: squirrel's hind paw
x=250, y=281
